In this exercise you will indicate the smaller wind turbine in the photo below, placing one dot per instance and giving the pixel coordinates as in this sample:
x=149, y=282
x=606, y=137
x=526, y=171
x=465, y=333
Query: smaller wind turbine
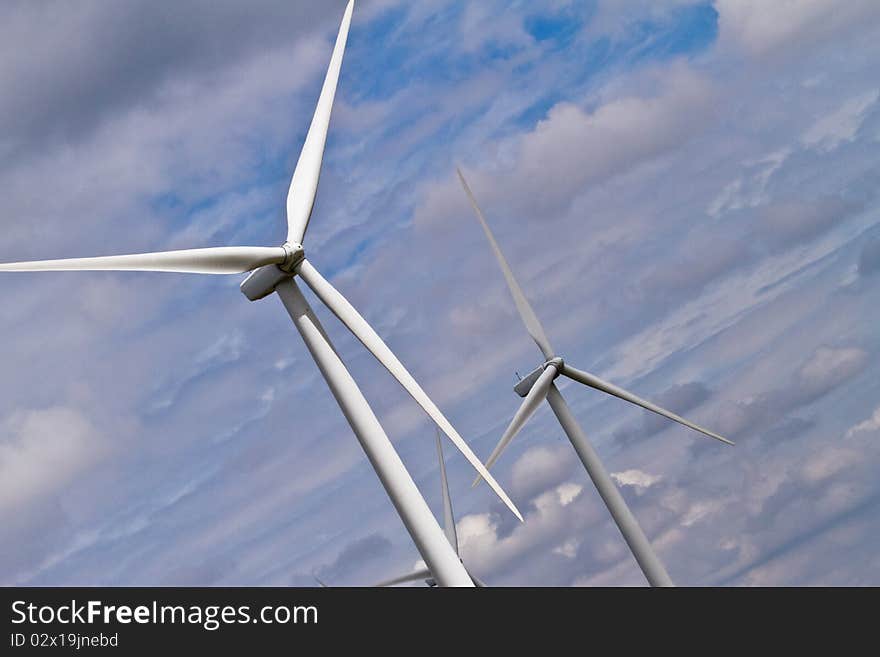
x=448, y=528
x=538, y=386
x=424, y=573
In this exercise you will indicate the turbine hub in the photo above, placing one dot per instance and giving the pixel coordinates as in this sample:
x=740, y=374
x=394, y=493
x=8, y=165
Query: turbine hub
x=263, y=281
x=295, y=255
x=556, y=362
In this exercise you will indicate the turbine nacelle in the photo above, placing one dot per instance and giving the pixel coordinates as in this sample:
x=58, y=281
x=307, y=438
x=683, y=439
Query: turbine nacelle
x=263, y=281
x=528, y=381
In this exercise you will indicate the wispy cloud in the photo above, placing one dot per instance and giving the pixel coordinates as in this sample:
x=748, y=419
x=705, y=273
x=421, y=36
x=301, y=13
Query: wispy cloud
x=687, y=193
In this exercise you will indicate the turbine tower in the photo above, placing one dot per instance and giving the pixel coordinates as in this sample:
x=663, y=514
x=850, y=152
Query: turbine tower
x=539, y=385
x=273, y=270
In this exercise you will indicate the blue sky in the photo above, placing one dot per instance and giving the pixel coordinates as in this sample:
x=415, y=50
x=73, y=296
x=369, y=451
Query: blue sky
x=686, y=191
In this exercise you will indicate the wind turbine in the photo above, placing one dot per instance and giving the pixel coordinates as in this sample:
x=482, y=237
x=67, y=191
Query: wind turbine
x=448, y=527
x=273, y=270
x=539, y=385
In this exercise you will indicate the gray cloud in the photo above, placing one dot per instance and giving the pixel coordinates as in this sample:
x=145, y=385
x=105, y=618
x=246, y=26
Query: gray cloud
x=786, y=223
x=354, y=556
x=869, y=258
x=826, y=369
x=762, y=28
x=95, y=60
x=540, y=469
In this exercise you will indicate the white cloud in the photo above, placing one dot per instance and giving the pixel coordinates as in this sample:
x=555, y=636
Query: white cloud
x=759, y=27
x=827, y=462
x=541, y=468
x=841, y=125
x=42, y=451
x=700, y=510
x=871, y=424
x=750, y=190
x=568, y=549
x=568, y=493
x=556, y=518
x=828, y=366
x=574, y=147
x=636, y=478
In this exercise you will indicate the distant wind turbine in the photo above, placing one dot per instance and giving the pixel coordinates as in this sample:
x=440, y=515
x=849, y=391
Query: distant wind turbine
x=538, y=386
x=273, y=271
x=448, y=528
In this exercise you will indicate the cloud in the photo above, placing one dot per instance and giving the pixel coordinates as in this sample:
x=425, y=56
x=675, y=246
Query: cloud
x=823, y=371
x=354, y=556
x=869, y=258
x=636, y=478
x=614, y=19
x=818, y=511
x=841, y=125
x=760, y=28
x=97, y=60
x=225, y=350
x=574, y=147
x=540, y=469
x=826, y=369
x=872, y=424
x=786, y=223
x=42, y=451
x=555, y=516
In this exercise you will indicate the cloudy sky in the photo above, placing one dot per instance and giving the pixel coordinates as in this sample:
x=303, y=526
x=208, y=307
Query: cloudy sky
x=687, y=191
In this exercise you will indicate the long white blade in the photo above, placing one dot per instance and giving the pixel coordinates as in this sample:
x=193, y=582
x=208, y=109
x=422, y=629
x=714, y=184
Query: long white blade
x=304, y=185
x=352, y=319
x=219, y=260
x=533, y=326
x=530, y=404
x=595, y=382
x=424, y=573
x=448, y=516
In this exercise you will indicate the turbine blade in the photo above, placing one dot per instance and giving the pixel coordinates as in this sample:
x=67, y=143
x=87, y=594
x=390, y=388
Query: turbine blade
x=321, y=582
x=595, y=382
x=448, y=516
x=304, y=184
x=352, y=319
x=530, y=404
x=220, y=260
x=529, y=318
x=422, y=573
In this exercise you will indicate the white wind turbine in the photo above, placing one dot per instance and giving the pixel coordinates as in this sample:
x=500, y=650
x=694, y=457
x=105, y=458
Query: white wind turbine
x=448, y=527
x=273, y=270
x=538, y=386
